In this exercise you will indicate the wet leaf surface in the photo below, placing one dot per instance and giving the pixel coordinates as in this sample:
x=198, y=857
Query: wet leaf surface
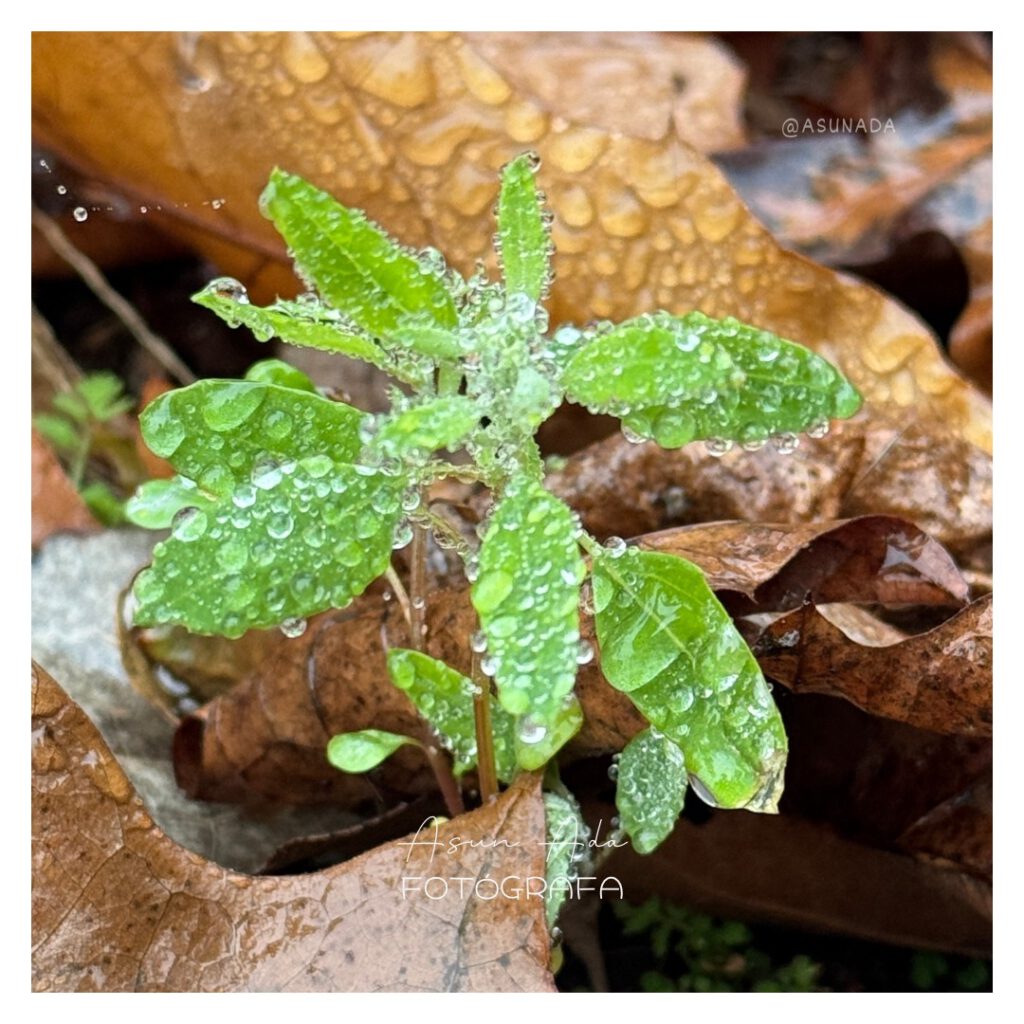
x=940, y=680
x=117, y=906
x=413, y=128
x=56, y=505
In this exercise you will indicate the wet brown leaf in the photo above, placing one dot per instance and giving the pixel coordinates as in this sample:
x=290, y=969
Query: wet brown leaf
x=413, y=128
x=970, y=343
x=940, y=680
x=870, y=559
x=117, y=906
x=941, y=484
x=56, y=505
x=783, y=869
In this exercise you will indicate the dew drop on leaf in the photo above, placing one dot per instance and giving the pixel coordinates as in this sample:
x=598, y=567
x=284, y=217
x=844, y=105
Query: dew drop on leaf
x=293, y=628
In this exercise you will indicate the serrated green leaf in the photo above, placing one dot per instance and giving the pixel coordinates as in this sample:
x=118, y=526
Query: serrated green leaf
x=567, y=835
x=72, y=405
x=103, y=394
x=156, y=502
x=445, y=698
x=226, y=433
x=437, y=423
x=312, y=541
x=104, y=504
x=667, y=642
x=284, y=375
x=523, y=237
x=677, y=379
x=360, y=751
x=354, y=265
x=650, y=790
x=305, y=324
x=527, y=597
x=57, y=430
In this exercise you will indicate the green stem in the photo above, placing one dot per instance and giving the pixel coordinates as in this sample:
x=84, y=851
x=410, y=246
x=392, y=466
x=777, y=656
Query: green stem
x=484, y=734
x=76, y=471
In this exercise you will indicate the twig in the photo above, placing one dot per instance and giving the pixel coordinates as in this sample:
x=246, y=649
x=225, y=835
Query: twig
x=115, y=302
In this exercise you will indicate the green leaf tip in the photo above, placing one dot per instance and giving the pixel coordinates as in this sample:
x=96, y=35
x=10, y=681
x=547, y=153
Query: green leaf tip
x=362, y=751
x=524, y=239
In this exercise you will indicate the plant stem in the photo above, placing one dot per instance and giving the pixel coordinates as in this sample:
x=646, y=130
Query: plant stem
x=442, y=770
x=418, y=586
x=484, y=733
x=403, y=598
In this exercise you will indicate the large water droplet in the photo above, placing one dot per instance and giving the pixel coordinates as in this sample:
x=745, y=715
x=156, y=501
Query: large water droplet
x=189, y=524
x=530, y=730
x=80, y=214
x=293, y=627
x=615, y=547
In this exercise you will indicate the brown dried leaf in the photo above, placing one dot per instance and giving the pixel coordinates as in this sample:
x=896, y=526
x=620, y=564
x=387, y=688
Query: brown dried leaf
x=970, y=342
x=870, y=559
x=56, y=505
x=413, y=127
x=940, y=680
x=117, y=906
x=940, y=483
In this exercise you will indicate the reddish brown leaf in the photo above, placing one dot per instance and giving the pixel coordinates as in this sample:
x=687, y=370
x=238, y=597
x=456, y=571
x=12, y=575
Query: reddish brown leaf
x=957, y=831
x=117, y=906
x=940, y=680
x=56, y=505
x=871, y=559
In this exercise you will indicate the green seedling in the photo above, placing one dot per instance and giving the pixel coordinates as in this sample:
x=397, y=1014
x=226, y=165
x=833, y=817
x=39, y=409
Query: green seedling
x=74, y=428
x=288, y=503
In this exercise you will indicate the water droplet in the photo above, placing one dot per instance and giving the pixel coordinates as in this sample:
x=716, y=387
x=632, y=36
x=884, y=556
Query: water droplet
x=717, y=446
x=818, y=429
x=632, y=436
x=478, y=642
x=785, y=444
x=403, y=535
x=615, y=547
x=702, y=791
x=472, y=568
x=80, y=214
x=280, y=525
x=229, y=288
x=489, y=665
x=62, y=190
x=613, y=771
x=189, y=524
x=266, y=473
x=531, y=731
x=293, y=627
x=584, y=652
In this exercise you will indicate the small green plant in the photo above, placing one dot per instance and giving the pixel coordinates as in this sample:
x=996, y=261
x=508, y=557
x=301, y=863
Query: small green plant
x=288, y=503
x=74, y=428
x=697, y=953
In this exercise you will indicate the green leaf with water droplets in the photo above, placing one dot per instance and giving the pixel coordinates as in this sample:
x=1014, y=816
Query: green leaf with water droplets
x=567, y=835
x=524, y=240
x=309, y=538
x=534, y=750
x=277, y=371
x=222, y=433
x=354, y=265
x=363, y=750
x=156, y=502
x=445, y=698
x=676, y=379
x=667, y=642
x=436, y=423
x=527, y=597
x=305, y=324
x=650, y=790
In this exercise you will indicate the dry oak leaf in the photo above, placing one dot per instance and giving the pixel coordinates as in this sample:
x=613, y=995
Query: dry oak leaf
x=56, y=505
x=265, y=739
x=117, y=906
x=940, y=680
x=413, y=127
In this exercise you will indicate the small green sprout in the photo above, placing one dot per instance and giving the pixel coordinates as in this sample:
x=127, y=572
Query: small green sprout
x=288, y=503
x=73, y=428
